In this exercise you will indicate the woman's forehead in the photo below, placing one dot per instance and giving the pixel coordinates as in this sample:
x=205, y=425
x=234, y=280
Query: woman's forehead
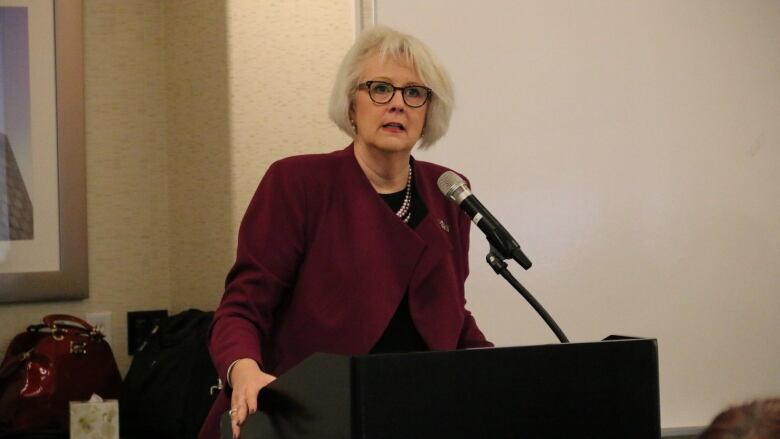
x=389, y=67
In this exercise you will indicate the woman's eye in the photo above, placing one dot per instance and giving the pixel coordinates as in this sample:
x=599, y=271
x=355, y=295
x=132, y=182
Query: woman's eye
x=414, y=92
x=382, y=88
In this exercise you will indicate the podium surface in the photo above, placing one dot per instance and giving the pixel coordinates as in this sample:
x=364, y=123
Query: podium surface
x=606, y=389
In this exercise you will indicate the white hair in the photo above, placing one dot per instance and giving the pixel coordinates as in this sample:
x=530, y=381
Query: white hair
x=389, y=42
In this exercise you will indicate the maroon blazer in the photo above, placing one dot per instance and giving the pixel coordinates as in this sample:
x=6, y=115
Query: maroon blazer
x=323, y=263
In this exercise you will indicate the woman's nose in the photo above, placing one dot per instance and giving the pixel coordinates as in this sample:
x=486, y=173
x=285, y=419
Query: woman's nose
x=397, y=101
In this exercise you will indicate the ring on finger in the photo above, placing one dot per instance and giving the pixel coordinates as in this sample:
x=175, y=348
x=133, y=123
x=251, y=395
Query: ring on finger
x=233, y=412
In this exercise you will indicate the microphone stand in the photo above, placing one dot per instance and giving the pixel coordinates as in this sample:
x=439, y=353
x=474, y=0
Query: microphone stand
x=496, y=261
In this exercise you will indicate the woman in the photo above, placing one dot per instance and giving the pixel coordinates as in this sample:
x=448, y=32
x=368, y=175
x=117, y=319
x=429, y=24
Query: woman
x=352, y=252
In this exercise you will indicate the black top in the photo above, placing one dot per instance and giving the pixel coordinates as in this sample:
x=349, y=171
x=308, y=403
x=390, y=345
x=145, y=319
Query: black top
x=401, y=335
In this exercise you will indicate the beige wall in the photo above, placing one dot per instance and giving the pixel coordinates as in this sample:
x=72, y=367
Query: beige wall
x=187, y=103
x=199, y=145
x=282, y=64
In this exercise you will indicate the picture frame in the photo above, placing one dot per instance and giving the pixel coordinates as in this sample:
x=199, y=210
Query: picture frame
x=70, y=279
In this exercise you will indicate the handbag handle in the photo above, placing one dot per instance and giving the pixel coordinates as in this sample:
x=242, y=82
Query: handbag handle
x=51, y=320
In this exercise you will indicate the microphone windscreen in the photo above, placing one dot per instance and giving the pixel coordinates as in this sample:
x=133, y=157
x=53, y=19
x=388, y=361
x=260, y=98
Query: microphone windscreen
x=449, y=182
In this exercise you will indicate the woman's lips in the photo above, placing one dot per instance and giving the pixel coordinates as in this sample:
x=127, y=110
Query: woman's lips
x=394, y=127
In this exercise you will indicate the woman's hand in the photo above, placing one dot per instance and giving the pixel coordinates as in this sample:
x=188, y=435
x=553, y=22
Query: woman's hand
x=247, y=379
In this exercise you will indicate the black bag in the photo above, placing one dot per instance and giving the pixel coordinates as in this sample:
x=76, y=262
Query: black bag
x=172, y=383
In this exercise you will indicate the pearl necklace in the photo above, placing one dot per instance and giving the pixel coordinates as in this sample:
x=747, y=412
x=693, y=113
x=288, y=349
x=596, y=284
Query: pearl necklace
x=405, y=212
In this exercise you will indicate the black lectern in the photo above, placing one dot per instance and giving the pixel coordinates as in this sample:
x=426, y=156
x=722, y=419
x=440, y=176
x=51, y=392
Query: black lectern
x=598, y=390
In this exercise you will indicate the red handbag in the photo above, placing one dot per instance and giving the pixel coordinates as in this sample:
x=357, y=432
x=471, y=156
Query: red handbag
x=64, y=359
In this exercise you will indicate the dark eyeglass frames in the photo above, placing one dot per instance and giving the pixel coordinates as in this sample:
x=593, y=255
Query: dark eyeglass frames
x=382, y=92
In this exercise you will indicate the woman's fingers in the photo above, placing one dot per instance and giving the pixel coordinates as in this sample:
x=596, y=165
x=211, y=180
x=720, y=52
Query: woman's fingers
x=251, y=398
x=238, y=412
x=234, y=425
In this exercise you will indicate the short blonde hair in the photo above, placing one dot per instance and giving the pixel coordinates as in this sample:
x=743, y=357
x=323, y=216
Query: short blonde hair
x=389, y=42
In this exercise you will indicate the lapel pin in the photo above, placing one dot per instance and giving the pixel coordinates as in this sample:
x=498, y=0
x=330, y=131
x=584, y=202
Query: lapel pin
x=444, y=225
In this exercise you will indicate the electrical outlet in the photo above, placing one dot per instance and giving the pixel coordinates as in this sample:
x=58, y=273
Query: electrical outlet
x=101, y=321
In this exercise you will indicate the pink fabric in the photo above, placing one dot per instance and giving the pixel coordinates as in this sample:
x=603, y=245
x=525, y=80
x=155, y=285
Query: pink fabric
x=323, y=263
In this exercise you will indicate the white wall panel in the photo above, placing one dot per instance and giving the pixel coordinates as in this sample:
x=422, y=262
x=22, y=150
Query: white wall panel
x=633, y=149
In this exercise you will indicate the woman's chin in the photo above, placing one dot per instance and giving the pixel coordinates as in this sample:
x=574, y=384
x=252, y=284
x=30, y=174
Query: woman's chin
x=395, y=146
x=396, y=143
x=389, y=143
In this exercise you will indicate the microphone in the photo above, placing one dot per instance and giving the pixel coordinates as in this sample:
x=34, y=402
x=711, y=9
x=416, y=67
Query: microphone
x=455, y=188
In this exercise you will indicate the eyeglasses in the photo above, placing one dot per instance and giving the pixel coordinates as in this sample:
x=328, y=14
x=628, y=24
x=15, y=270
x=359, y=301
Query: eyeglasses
x=383, y=92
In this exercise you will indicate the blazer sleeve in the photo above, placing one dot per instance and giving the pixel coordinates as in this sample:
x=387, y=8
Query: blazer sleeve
x=271, y=245
x=470, y=335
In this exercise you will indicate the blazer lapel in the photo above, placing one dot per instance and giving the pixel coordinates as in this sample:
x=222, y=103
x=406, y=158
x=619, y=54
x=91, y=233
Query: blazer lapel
x=432, y=230
x=401, y=258
x=394, y=249
x=426, y=245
